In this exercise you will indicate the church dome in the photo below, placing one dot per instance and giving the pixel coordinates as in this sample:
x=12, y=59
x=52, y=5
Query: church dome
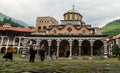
x=72, y=14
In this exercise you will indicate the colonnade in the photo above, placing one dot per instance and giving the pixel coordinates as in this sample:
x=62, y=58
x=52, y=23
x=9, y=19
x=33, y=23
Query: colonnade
x=70, y=41
x=26, y=40
x=16, y=41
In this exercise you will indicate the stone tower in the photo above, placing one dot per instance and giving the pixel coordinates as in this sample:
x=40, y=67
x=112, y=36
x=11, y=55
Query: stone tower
x=42, y=23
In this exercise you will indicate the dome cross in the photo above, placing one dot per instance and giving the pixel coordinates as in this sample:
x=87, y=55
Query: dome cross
x=73, y=7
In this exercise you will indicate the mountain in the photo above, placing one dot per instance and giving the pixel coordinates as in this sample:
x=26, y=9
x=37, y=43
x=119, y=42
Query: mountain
x=2, y=16
x=22, y=23
x=111, y=29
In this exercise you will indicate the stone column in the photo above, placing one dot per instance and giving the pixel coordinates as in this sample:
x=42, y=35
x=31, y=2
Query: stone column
x=38, y=42
x=8, y=41
x=110, y=49
x=14, y=41
x=80, y=47
x=105, y=51
x=91, y=50
x=37, y=45
x=91, y=47
x=19, y=44
x=2, y=40
x=70, y=41
x=49, y=45
x=58, y=44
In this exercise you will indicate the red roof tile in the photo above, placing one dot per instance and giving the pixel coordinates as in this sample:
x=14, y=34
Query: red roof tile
x=17, y=29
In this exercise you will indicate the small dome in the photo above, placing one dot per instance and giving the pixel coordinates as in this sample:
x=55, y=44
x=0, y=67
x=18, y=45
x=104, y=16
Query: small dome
x=72, y=14
x=73, y=10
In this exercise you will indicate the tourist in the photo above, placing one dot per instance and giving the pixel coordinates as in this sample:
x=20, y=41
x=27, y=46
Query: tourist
x=32, y=53
x=51, y=53
x=9, y=53
x=42, y=53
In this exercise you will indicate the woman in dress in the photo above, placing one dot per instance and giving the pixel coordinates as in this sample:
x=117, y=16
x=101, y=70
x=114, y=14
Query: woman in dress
x=9, y=53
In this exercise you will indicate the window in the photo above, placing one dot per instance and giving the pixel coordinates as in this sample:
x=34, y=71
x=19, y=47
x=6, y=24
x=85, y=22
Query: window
x=44, y=28
x=69, y=29
x=39, y=29
x=68, y=16
x=47, y=21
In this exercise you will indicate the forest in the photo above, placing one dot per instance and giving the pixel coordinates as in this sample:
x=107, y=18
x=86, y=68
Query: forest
x=13, y=24
x=111, y=29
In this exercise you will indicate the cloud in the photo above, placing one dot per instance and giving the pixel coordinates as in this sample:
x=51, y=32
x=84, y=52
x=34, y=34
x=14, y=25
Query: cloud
x=95, y=12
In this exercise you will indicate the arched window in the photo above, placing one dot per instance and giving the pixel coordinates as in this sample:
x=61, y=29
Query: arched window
x=69, y=29
x=47, y=21
x=44, y=27
x=39, y=29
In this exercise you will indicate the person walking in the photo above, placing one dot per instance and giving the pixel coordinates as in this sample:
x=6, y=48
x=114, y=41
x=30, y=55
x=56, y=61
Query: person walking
x=42, y=53
x=9, y=53
x=32, y=53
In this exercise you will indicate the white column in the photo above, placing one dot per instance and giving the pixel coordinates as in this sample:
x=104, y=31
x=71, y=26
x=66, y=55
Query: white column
x=18, y=47
x=49, y=45
x=80, y=47
x=91, y=47
x=105, y=50
x=8, y=42
x=2, y=40
x=38, y=42
x=70, y=41
x=58, y=43
x=19, y=42
x=110, y=49
x=14, y=41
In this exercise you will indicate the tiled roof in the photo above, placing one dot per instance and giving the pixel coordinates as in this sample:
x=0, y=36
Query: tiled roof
x=116, y=37
x=17, y=29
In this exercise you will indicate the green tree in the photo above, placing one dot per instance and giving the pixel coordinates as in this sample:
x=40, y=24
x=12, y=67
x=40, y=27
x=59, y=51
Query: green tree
x=13, y=24
x=115, y=50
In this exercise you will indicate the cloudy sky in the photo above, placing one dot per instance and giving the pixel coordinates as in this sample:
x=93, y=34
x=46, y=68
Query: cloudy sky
x=95, y=12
